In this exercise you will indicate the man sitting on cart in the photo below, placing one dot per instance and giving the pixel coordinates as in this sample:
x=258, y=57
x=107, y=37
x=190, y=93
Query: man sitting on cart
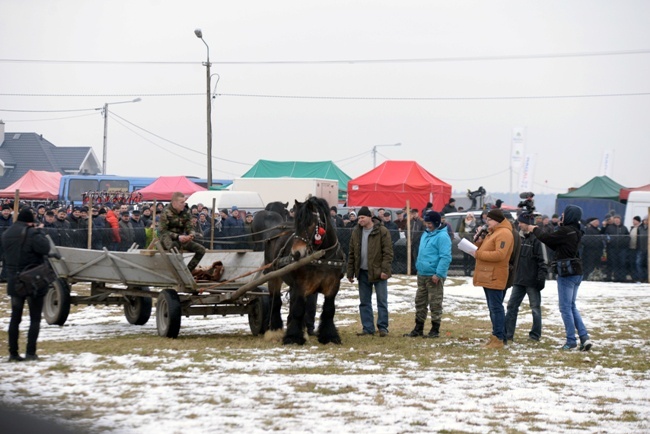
x=176, y=229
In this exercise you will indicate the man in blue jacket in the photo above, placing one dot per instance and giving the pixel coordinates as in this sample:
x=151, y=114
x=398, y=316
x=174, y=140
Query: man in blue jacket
x=434, y=258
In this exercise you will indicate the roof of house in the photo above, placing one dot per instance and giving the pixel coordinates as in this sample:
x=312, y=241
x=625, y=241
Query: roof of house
x=21, y=152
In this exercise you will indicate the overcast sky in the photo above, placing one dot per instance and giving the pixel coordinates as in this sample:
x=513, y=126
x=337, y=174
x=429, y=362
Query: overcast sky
x=448, y=80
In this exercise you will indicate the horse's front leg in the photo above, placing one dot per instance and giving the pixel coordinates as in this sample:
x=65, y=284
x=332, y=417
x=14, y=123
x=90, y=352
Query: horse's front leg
x=296, y=320
x=275, y=328
x=327, y=331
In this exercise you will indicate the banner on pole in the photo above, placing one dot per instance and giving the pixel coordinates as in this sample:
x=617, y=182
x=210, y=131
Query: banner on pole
x=527, y=173
x=607, y=163
x=517, y=156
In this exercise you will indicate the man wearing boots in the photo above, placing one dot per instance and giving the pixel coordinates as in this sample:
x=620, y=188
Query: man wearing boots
x=434, y=258
x=176, y=229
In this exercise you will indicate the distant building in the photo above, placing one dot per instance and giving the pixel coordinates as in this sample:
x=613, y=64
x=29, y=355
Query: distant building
x=20, y=152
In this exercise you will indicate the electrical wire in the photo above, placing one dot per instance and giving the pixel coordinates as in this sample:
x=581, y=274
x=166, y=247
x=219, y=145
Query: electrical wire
x=47, y=111
x=451, y=98
x=49, y=119
x=344, y=61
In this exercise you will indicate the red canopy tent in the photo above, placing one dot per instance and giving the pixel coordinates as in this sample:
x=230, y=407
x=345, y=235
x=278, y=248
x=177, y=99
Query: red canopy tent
x=394, y=182
x=163, y=188
x=625, y=192
x=35, y=185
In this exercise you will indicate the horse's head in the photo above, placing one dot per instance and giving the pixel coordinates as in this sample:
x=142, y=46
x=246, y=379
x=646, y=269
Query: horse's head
x=279, y=207
x=313, y=228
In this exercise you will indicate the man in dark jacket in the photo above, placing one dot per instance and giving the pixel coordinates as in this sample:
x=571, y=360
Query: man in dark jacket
x=530, y=278
x=370, y=258
x=127, y=235
x=24, y=245
x=618, y=243
x=5, y=223
x=592, y=247
x=139, y=233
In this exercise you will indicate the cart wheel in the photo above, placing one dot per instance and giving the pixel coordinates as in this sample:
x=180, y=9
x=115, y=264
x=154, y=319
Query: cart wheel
x=168, y=313
x=137, y=310
x=258, y=313
x=56, y=306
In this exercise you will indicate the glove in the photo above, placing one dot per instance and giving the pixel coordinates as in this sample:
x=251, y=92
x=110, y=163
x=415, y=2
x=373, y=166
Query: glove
x=540, y=284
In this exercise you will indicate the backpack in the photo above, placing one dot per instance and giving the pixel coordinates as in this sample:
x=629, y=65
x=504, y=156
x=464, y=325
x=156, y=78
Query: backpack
x=514, y=258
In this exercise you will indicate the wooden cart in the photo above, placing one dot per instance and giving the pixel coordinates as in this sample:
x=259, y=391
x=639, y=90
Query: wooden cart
x=133, y=279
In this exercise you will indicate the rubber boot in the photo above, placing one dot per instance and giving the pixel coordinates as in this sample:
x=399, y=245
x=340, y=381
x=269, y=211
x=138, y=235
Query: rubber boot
x=435, y=330
x=417, y=331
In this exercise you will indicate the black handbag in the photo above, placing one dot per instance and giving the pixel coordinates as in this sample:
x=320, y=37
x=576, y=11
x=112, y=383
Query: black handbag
x=35, y=280
x=568, y=267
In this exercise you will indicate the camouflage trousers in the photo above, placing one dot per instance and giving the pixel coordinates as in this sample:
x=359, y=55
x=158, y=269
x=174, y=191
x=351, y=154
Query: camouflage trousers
x=190, y=246
x=430, y=295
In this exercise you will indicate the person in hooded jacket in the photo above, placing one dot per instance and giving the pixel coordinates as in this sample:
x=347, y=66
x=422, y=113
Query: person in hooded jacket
x=492, y=271
x=434, y=258
x=530, y=279
x=565, y=241
x=24, y=245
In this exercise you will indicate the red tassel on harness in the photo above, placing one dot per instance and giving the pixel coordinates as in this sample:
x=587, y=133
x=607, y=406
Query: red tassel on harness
x=318, y=238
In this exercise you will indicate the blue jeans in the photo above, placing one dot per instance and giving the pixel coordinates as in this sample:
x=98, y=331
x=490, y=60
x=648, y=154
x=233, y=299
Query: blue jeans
x=494, y=299
x=567, y=291
x=535, y=301
x=365, y=303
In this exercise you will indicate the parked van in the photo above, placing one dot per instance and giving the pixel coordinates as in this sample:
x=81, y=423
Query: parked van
x=637, y=204
x=244, y=200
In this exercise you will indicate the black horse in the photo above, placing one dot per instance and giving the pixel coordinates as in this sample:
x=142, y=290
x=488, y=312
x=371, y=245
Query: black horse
x=313, y=230
x=269, y=223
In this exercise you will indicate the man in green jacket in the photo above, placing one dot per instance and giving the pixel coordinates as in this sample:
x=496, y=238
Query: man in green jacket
x=369, y=259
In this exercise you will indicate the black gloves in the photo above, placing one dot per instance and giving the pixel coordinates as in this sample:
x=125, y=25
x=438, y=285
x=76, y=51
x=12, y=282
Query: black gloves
x=540, y=284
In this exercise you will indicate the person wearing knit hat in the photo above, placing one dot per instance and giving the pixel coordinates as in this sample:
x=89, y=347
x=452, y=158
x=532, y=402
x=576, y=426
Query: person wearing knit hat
x=529, y=280
x=492, y=271
x=24, y=246
x=496, y=214
x=434, y=258
x=369, y=259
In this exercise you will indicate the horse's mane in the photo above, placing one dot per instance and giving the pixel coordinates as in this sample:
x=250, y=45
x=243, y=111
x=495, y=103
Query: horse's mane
x=304, y=213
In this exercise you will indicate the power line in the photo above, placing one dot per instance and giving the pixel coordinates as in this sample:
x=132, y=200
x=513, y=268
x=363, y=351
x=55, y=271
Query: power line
x=434, y=98
x=343, y=61
x=49, y=119
x=339, y=97
x=48, y=111
x=112, y=115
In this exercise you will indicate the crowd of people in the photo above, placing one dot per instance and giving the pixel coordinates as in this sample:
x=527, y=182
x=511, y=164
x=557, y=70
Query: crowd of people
x=518, y=254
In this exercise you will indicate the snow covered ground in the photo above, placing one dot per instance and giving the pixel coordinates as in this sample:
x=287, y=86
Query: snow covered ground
x=228, y=390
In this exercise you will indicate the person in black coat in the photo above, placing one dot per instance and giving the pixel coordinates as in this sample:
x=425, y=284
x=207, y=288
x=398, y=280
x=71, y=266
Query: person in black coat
x=24, y=245
x=5, y=223
x=592, y=247
x=530, y=279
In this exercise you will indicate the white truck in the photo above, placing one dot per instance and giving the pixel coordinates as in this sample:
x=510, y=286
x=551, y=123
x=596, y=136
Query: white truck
x=638, y=203
x=289, y=189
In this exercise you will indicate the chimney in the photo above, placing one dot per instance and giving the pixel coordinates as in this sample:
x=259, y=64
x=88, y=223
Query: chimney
x=2, y=132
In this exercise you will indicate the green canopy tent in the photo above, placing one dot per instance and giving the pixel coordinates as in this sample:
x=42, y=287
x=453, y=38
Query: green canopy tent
x=301, y=169
x=598, y=197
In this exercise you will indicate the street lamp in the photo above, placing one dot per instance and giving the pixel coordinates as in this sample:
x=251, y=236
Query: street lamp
x=207, y=64
x=105, y=113
x=374, y=153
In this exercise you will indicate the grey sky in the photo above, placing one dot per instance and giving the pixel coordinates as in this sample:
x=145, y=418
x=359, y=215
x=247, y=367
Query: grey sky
x=462, y=135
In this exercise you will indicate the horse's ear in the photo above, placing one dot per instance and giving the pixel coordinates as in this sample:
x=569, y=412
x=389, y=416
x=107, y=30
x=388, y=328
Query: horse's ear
x=286, y=204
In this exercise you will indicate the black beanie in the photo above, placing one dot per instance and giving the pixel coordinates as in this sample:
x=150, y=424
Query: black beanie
x=26, y=215
x=364, y=211
x=433, y=217
x=496, y=214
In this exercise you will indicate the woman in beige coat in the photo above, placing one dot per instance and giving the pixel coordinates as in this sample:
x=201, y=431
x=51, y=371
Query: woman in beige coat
x=491, y=272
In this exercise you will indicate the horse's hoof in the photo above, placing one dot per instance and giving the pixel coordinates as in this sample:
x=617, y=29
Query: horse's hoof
x=297, y=340
x=334, y=340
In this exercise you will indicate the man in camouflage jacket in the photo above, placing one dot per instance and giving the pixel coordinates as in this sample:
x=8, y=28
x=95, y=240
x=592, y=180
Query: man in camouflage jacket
x=176, y=229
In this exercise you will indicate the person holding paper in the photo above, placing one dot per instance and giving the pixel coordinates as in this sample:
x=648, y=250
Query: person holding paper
x=491, y=272
x=434, y=258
